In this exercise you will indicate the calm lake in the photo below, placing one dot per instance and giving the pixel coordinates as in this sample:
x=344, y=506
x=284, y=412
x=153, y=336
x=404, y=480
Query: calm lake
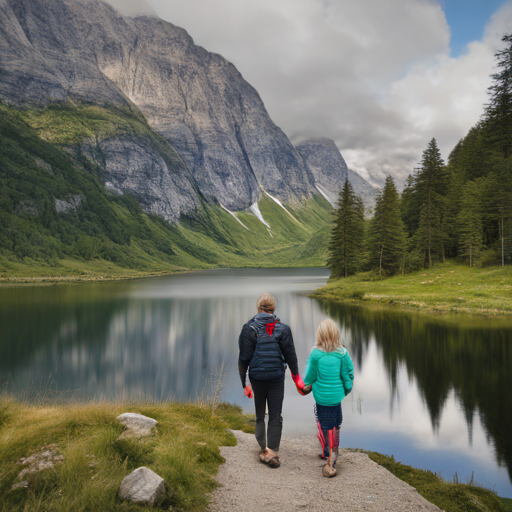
x=436, y=395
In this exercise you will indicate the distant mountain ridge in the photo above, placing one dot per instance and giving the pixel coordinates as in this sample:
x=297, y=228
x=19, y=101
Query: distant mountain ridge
x=222, y=145
x=330, y=171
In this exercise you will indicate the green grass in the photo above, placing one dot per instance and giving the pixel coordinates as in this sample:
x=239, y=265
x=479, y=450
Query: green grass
x=184, y=451
x=67, y=125
x=448, y=496
x=507, y=503
x=446, y=288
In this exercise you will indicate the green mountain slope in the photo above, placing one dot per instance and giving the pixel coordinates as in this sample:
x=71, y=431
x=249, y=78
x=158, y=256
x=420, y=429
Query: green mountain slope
x=96, y=232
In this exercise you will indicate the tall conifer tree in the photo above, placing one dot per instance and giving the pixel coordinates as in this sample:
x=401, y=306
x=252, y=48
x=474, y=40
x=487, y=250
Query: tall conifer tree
x=469, y=223
x=347, y=240
x=431, y=183
x=387, y=239
x=498, y=112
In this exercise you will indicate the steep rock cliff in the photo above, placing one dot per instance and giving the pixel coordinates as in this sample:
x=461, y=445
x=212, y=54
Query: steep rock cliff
x=84, y=51
x=153, y=174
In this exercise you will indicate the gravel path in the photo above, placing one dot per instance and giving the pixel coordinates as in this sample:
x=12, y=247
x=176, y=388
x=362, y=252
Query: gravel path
x=298, y=485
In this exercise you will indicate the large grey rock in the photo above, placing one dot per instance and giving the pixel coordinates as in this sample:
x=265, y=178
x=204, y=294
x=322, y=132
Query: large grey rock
x=137, y=425
x=72, y=204
x=143, y=486
x=85, y=51
x=330, y=171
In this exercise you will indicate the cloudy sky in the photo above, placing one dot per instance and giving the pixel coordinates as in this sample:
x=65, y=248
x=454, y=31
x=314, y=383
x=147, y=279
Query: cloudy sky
x=379, y=77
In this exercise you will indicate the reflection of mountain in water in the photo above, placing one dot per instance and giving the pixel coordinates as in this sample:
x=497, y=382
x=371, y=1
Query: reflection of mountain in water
x=475, y=362
x=158, y=338
x=38, y=321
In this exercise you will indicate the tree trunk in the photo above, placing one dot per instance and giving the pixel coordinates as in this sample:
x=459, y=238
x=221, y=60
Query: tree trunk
x=380, y=262
x=502, y=243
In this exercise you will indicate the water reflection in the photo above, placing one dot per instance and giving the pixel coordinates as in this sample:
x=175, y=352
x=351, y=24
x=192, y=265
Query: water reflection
x=161, y=338
x=436, y=395
x=468, y=365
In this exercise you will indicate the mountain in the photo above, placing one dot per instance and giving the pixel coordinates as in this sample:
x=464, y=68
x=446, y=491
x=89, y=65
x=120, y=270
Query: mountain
x=84, y=51
x=330, y=171
x=135, y=108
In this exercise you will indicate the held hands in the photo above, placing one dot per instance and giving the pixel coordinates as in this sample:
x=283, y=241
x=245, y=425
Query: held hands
x=301, y=387
x=248, y=392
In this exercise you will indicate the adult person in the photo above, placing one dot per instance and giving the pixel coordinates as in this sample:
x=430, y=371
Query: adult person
x=266, y=347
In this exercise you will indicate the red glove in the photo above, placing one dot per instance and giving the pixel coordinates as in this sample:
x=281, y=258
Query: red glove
x=248, y=392
x=300, y=384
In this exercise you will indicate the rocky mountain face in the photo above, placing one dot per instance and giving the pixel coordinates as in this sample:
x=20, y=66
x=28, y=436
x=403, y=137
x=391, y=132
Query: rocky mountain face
x=221, y=143
x=330, y=171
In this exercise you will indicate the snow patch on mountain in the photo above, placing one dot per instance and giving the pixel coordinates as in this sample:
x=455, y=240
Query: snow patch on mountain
x=255, y=209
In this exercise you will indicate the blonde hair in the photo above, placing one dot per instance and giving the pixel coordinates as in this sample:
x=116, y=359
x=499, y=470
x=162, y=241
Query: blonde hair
x=267, y=303
x=328, y=336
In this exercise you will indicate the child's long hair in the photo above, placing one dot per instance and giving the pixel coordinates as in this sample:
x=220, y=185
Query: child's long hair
x=328, y=336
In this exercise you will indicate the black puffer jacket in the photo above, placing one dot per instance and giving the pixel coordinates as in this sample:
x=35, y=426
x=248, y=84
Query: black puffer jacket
x=266, y=347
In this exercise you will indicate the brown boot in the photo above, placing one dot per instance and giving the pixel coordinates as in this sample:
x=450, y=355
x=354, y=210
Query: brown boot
x=271, y=458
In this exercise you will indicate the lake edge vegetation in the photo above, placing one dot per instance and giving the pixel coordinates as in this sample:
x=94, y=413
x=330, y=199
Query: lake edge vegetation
x=450, y=496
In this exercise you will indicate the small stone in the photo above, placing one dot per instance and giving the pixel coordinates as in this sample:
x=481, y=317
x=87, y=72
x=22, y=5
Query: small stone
x=137, y=425
x=143, y=486
x=20, y=485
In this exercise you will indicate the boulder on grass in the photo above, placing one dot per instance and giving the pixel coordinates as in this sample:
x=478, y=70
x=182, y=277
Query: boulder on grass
x=143, y=486
x=137, y=425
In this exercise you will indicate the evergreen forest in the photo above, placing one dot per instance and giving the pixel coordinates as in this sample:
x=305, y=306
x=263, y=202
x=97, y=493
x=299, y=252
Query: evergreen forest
x=460, y=209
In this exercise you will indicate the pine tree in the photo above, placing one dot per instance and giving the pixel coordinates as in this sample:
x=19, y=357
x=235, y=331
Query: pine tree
x=469, y=223
x=498, y=112
x=387, y=239
x=408, y=206
x=347, y=240
x=430, y=184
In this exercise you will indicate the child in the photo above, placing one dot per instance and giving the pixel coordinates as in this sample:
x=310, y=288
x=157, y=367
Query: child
x=330, y=372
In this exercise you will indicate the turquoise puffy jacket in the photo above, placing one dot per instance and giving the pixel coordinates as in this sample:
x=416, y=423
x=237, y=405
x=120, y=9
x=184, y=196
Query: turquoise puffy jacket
x=331, y=373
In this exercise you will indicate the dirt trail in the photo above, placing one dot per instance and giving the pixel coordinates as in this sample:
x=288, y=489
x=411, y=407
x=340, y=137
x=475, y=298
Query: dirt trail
x=298, y=485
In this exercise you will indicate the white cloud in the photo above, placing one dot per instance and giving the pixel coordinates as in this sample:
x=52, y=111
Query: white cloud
x=374, y=75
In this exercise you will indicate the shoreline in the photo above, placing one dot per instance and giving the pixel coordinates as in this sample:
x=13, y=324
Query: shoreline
x=448, y=291
x=103, y=277
x=11, y=282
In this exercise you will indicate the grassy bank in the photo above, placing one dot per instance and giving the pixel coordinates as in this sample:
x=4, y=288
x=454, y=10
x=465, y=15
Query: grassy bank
x=448, y=496
x=184, y=451
x=446, y=288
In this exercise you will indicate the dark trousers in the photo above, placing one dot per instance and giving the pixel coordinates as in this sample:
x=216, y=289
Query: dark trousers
x=268, y=393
